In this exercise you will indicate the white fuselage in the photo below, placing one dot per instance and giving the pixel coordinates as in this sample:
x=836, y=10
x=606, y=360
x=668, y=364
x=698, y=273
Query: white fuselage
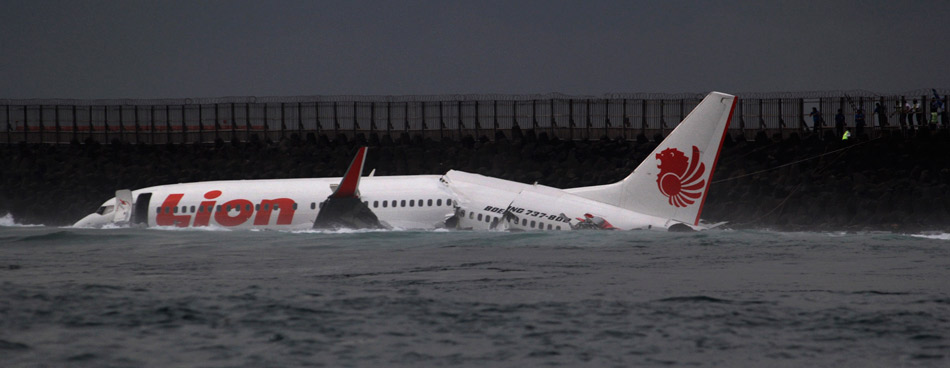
x=401, y=202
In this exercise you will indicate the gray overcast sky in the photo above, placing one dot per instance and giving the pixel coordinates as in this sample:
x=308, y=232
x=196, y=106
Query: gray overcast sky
x=146, y=49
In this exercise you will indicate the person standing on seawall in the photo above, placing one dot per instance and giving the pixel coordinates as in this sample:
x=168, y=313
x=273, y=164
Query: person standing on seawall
x=933, y=118
x=881, y=112
x=917, y=113
x=816, y=119
x=839, y=123
x=859, y=122
x=906, y=113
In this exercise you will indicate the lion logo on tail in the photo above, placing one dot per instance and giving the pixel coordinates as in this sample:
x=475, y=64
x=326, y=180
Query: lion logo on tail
x=680, y=178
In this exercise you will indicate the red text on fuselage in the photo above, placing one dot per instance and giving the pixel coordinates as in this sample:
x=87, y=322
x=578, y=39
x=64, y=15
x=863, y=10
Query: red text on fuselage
x=244, y=209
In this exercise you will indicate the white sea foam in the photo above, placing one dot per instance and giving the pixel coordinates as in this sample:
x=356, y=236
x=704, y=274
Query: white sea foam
x=9, y=221
x=938, y=236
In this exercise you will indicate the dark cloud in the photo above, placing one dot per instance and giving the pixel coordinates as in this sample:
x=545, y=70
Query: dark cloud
x=142, y=49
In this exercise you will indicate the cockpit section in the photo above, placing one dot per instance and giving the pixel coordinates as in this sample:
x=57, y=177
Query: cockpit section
x=104, y=210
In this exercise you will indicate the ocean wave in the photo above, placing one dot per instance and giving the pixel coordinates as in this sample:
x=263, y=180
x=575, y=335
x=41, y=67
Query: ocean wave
x=8, y=221
x=938, y=236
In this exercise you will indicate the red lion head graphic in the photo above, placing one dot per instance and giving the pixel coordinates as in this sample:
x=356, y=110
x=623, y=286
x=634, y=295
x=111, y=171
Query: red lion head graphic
x=680, y=178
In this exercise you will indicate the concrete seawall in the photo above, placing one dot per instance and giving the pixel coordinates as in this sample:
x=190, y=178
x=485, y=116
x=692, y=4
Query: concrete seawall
x=797, y=183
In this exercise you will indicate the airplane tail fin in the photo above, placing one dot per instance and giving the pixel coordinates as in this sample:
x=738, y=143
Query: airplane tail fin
x=672, y=182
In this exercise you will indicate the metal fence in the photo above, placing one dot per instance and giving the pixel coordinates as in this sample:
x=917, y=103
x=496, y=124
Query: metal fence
x=438, y=117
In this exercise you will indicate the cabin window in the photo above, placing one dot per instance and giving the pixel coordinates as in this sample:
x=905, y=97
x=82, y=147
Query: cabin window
x=471, y=215
x=549, y=226
x=219, y=208
x=524, y=222
x=276, y=207
x=532, y=223
x=228, y=207
x=558, y=227
x=201, y=209
x=487, y=219
x=402, y=203
x=412, y=203
x=313, y=205
x=479, y=217
x=257, y=207
x=394, y=203
x=420, y=203
x=158, y=210
x=385, y=203
x=175, y=209
x=295, y=206
x=247, y=207
x=266, y=206
x=438, y=202
x=375, y=204
x=448, y=202
x=429, y=203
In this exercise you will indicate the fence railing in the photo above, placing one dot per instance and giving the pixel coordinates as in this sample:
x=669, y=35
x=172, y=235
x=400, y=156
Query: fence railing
x=449, y=116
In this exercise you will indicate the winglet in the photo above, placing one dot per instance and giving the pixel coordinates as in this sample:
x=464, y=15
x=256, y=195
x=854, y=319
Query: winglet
x=351, y=181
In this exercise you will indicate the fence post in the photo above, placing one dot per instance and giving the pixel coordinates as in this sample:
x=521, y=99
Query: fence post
x=121, y=125
x=56, y=113
x=553, y=120
x=217, y=123
x=151, y=119
x=458, y=105
x=316, y=113
x=336, y=120
x=662, y=117
x=201, y=124
x=494, y=132
x=781, y=118
x=570, y=121
x=75, y=124
x=389, y=118
x=283, y=120
x=514, y=115
x=589, y=123
x=356, y=123
x=477, y=123
x=643, y=117
x=625, y=120
x=801, y=115
x=136, y=116
x=423, y=126
x=372, y=117
x=441, y=121
x=265, y=122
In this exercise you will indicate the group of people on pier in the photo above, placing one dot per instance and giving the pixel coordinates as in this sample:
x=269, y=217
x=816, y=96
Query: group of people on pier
x=907, y=113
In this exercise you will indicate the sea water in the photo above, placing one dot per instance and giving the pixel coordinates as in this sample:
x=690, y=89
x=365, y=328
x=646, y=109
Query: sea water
x=193, y=298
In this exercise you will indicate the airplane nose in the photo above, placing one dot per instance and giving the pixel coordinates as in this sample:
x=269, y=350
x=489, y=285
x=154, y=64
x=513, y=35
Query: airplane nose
x=91, y=220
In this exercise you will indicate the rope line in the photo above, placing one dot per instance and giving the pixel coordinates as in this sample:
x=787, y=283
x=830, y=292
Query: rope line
x=795, y=162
